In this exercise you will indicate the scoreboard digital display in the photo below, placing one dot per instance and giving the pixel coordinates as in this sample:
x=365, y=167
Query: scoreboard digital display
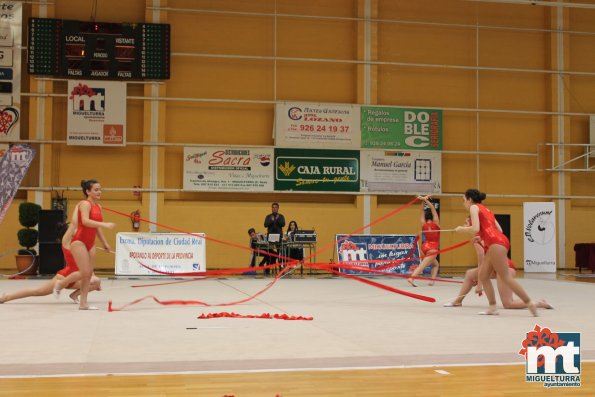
x=99, y=50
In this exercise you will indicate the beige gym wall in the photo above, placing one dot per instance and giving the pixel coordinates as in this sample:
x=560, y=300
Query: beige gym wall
x=488, y=66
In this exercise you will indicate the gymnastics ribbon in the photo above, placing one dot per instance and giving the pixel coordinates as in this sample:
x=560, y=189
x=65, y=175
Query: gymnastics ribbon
x=288, y=266
x=263, y=316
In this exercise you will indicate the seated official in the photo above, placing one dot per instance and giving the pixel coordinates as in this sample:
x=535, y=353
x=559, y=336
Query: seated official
x=255, y=240
x=259, y=242
x=296, y=252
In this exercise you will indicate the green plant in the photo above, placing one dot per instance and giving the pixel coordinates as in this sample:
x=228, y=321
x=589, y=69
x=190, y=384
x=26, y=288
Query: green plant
x=29, y=218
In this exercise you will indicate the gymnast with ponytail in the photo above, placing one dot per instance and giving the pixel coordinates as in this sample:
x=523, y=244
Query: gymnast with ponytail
x=89, y=226
x=483, y=222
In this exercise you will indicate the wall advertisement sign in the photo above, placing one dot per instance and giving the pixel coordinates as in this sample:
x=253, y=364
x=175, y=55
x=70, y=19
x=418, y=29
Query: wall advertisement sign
x=412, y=172
x=400, y=128
x=228, y=169
x=306, y=125
x=317, y=170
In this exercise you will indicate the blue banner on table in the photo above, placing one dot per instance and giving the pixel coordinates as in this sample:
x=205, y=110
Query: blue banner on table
x=378, y=247
x=312, y=170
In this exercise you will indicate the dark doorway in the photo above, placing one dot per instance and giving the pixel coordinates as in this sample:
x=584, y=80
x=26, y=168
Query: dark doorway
x=504, y=221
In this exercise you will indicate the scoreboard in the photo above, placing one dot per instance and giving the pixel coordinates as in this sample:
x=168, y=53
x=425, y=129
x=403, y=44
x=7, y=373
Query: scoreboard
x=99, y=50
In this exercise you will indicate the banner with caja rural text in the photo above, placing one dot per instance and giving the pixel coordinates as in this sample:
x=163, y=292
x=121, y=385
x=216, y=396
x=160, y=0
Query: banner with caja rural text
x=539, y=230
x=96, y=113
x=399, y=128
x=415, y=172
x=11, y=27
x=317, y=170
x=375, y=248
x=325, y=126
x=166, y=252
x=238, y=169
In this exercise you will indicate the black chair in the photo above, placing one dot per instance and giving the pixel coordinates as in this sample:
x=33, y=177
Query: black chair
x=585, y=256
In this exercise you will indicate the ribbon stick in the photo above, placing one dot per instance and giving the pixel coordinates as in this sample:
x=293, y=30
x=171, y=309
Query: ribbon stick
x=105, y=250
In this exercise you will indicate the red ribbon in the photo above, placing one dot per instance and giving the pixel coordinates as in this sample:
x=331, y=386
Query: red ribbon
x=263, y=316
x=330, y=267
x=395, y=211
x=385, y=287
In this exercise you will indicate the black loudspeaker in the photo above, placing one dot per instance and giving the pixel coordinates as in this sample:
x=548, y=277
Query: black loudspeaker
x=48, y=222
x=51, y=258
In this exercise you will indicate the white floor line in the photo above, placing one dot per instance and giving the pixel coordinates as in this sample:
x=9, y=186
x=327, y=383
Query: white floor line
x=252, y=371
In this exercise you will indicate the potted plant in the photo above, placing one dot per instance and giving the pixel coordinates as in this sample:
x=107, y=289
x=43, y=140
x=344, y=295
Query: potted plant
x=27, y=259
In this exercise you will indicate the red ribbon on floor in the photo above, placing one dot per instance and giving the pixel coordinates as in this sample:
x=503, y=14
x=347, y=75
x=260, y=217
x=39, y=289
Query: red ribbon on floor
x=282, y=273
x=385, y=287
x=263, y=315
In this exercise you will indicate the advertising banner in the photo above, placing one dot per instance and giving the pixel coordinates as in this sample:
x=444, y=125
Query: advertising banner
x=229, y=169
x=13, y=167
x=96, y=113
x=306, y=125
x=166, y=252
x=317, y=170
x=403, y=129
x=378, y=247
x=540, y=237
x=11, y=27
x=415, y=172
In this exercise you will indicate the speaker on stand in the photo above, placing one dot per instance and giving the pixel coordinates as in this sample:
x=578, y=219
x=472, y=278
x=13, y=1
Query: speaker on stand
x=51, y=258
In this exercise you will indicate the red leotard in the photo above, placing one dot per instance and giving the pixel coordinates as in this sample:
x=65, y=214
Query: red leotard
x=87, y=234
x=481, y=243
x=432, y=239
x=488, y=231
x=70, y=267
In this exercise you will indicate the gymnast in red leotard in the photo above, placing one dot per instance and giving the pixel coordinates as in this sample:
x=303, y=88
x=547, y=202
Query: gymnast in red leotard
x=497, y=244
x=71, y=266
x=89, y=225
x=430, y=227
x=471, y=280
x=87, y=234
x=69, y=276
